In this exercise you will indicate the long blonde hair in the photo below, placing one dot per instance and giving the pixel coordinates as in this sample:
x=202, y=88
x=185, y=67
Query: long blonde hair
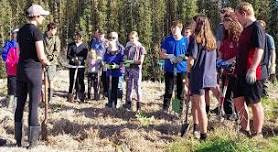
x=203, y=33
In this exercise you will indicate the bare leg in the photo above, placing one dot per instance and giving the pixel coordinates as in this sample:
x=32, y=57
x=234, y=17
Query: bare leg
x=202, y=115
x=258, y=117
x=241, y=109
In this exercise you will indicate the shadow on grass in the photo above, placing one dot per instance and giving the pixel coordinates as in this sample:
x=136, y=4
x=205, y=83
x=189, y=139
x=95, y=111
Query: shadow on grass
x=112, y=132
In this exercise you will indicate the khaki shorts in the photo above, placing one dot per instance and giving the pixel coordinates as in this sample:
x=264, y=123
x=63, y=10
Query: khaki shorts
x=51, y=72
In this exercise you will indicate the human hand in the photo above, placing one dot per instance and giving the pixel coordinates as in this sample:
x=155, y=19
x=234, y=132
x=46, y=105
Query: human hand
x=251, y=76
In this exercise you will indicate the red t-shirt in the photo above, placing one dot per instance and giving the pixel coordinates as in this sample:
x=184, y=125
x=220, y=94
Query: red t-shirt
x=228, y=49
x=251, y=38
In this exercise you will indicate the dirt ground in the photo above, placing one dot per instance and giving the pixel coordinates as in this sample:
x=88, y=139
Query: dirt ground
x=92, y=127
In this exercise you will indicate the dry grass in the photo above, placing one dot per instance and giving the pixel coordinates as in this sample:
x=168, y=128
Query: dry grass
x=92, y=127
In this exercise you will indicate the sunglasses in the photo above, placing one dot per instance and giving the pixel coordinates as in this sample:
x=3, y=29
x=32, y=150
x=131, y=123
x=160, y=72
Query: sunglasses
x=112, y=38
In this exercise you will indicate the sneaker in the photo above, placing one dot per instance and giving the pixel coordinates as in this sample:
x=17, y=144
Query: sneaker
x=197, y=134
x=257, y=136
x=244, y=132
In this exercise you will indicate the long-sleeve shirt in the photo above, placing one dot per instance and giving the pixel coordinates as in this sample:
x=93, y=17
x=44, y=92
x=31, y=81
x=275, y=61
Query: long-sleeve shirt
x=80, y=52
x=52, y=48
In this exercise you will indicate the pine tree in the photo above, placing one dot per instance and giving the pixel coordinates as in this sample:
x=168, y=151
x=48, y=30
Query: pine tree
x=210, y=8
x=273, y=23
x=144, y=26
x=101, y=15
x=187, y=9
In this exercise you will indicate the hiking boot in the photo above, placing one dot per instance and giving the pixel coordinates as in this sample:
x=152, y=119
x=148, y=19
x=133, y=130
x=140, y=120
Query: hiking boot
x=166, y=104
x=3, y=142
x=231, y=117
x=34, y=134
x=203, y=136
x=216, y=110
x=108, y=105
x=18, y=133
x=138, y=107
x=127, y=106
x=50, y=94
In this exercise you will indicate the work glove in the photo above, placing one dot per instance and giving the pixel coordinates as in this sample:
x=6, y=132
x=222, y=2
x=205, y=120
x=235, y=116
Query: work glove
x=99, y=58
x=112, y=66
x=129, y=62
x=170, y=56
x=181, y=57
x=174, y=60
x=251, y=76
x=76, y=61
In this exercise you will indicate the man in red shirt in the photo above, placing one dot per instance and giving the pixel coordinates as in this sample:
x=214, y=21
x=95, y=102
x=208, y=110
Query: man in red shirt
x=249, y=72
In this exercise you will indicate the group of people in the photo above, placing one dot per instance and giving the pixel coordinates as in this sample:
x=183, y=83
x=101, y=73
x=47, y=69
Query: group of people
x=241, y=41
x=30, y=53
x=107, y=62
x=191, y=53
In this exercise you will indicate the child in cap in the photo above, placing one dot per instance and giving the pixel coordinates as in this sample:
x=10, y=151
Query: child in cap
x=113, y=59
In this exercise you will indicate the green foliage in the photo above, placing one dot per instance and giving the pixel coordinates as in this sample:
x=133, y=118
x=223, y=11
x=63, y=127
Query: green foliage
x=224, y=140
x=144, y=120
x=271, y=108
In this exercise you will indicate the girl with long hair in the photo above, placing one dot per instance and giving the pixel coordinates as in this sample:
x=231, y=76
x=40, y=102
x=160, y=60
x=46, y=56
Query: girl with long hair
x=202, y=67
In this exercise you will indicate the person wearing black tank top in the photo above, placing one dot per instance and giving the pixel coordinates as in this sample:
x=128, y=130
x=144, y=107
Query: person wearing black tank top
x=29, y=73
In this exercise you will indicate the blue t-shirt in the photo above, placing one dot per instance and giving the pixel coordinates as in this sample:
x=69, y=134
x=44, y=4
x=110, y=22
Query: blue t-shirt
x=117, y=58
x=176, y=47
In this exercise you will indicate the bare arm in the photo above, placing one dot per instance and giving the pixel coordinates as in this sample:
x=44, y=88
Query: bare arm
x=40, y=52
x=190, y=63
x=57, y=50
x=272, y=62
x=163, y=54
x=257, y=58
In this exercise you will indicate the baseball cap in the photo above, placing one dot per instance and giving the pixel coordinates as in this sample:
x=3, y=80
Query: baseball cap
x=15, y=30
x=80, y=33
x=36, y=10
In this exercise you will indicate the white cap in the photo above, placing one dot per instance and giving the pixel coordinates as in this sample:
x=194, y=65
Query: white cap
x=15, y=30
x=36, y=10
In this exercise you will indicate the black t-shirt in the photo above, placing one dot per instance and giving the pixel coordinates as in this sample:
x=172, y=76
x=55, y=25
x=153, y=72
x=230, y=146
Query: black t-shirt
x=251, y=38
x=26, y=37
x=81, y=52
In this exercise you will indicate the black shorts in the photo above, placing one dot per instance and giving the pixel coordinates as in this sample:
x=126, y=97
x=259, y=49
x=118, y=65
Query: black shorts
x=252, y=93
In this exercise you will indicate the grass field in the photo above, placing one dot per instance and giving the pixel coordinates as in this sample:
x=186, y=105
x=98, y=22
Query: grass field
x=92, y=127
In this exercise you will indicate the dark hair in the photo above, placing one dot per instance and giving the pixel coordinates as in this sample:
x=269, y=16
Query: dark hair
x=51, y=26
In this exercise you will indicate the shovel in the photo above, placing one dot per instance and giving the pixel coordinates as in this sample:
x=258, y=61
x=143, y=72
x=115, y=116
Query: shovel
x=176, y=102
x=73, y=91
x=45, y=98
x=185, y=126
